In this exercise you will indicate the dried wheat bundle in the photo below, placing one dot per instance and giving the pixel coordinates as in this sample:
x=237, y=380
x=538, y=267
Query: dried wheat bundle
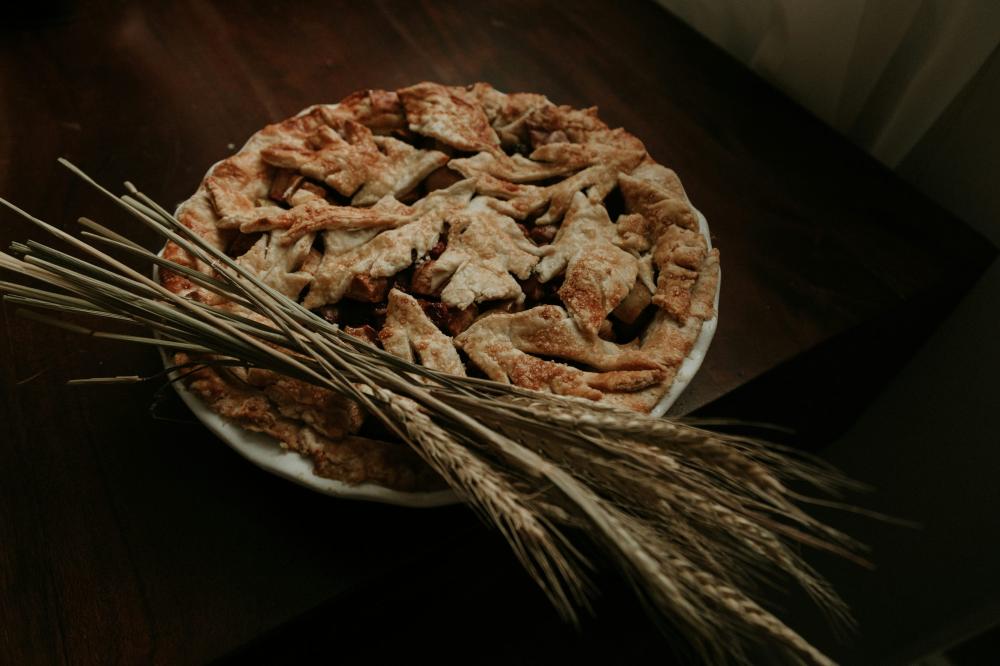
x=692, y=518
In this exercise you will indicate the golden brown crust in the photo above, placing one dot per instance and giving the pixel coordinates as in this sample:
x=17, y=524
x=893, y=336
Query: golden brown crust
x=516, y=169
x=356, y=163
x=379, y=110
x=485, y=249
x=450, y=115
x=387, y=253
x=409, y=334
x=475, y=200
x=546, y=330
x=286, y=267
x=598, y=274
x=313, y=422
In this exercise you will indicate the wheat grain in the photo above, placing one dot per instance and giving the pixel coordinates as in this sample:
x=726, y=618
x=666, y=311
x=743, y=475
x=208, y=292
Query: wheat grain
x=691, y=517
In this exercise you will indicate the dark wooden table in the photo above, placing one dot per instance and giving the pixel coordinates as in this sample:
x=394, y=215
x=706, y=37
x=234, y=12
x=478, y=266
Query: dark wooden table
x=129, y=534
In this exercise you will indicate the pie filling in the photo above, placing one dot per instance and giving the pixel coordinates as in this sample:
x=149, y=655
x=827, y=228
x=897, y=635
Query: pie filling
x=465, y=229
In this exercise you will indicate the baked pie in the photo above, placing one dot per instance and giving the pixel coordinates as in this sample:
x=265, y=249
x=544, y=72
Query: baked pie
x=472, y=231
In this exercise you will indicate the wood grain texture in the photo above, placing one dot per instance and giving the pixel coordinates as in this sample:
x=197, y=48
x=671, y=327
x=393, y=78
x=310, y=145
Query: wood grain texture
x=127, y=536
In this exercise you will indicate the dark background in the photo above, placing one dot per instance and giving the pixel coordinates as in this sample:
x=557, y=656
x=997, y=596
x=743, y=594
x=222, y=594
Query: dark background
x=127, y=533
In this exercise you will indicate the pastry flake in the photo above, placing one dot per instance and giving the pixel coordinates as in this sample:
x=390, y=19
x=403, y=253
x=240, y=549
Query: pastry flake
x=410, y=334
x=485, y=250
x=451, y=115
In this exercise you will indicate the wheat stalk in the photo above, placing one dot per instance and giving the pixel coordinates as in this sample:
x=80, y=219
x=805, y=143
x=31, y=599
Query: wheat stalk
x=692, y=517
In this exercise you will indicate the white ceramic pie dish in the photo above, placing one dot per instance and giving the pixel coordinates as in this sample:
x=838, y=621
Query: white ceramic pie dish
x=692, y=362
x=267, y=453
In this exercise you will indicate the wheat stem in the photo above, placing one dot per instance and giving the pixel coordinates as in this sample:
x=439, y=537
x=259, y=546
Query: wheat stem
x=690, y=516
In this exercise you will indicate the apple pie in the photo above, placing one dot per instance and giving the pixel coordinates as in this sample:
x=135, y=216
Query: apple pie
x=471, y=231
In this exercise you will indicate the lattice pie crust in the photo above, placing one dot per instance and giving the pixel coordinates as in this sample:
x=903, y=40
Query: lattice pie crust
x=472, y=231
